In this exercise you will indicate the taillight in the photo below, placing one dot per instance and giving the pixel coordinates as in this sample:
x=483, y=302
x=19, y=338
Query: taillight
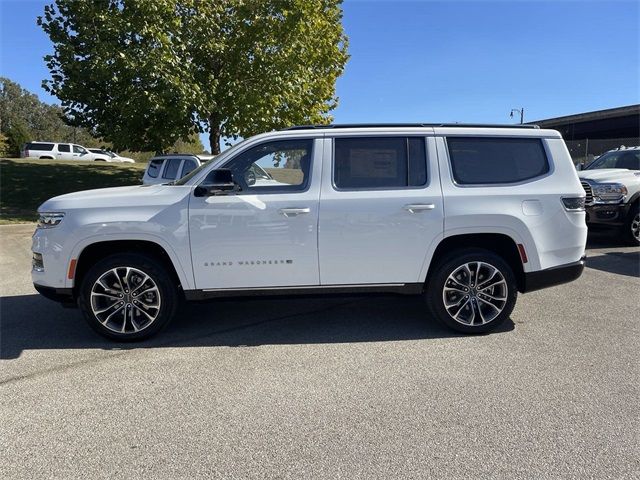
x=573, y=204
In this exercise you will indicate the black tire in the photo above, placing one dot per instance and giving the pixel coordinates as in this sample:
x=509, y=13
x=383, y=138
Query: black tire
x=167, y=297
x=480, y=318
x=631, y=226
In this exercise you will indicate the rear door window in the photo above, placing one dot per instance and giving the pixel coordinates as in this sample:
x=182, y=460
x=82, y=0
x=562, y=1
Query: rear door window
x=489, y=160
x=171, y=168
x=188, y=166
x=63, y=147
x=379, y=162
x=154, y=167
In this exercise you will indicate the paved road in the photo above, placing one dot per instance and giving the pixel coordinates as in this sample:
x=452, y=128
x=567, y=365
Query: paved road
x=337, y=387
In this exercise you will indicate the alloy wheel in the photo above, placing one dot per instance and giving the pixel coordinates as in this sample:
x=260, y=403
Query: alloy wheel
x=475, y=293
x=125, y=300
x=635, y=227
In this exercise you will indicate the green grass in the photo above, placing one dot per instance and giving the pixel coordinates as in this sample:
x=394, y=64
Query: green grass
x=25, y=184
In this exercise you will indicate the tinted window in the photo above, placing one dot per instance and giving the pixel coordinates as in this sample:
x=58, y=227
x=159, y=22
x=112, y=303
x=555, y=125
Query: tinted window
x=63, y=147
x=154, y=167
x=380, y=162
x=283, y=165
x=496, y=160
x=187, y=167
x=39, y=146
x=171, y=168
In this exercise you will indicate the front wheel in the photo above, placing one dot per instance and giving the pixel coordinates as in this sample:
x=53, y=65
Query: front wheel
x=632, y=225
x=472, y=291
x=128, y=297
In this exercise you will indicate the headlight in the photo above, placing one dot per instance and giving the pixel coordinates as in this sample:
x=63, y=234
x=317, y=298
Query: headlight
x=609, y=192
x=50, y=219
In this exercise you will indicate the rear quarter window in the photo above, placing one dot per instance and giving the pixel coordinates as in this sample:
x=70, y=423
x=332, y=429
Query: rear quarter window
x=486, y=160
x=47, y=147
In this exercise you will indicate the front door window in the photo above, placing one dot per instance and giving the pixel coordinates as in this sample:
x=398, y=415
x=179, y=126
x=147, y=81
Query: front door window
x=281, y=166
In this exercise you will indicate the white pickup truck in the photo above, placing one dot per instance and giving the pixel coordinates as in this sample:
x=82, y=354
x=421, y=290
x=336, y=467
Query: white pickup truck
x=612, y=185
x=467, y=216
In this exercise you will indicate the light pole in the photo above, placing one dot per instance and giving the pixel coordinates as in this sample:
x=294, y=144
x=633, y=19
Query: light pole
x=520, y=111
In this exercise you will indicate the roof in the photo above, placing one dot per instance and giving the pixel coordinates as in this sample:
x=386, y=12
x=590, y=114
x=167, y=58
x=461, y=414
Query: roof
x=406, y=125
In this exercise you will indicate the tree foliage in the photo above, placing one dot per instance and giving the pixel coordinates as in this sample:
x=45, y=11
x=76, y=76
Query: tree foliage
x=21, y=112
x=149, y=72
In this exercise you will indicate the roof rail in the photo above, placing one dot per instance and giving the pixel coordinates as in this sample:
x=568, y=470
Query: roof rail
x=396, y=125
x=177, y=153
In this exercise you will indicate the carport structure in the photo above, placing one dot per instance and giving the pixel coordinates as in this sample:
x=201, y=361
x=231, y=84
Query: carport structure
x=590, y=134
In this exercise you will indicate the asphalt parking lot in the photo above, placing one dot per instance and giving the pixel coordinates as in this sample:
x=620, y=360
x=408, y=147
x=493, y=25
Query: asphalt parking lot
x=327, y=387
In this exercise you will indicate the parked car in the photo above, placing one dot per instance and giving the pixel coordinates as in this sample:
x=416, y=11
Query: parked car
x=612, y=185
x=112, y=156
x=60, y=151
x=466, y=216
x=170, y=167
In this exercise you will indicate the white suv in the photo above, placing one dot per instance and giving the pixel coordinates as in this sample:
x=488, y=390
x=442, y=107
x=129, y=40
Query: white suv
x=60, y=151
x=467, y=216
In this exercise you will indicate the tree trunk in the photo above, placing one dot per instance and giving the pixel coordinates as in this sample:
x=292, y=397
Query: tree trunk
x=214, y=135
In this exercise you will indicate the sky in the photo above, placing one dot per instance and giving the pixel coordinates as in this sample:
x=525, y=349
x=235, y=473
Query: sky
x=441, y=61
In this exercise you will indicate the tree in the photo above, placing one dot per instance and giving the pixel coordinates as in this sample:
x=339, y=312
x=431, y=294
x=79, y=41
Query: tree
x=146, y=73
x=39, y=120
x=17, y=136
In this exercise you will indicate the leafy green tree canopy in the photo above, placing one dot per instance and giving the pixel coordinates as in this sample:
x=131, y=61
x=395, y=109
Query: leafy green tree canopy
x=145, y=73
x=22, y=111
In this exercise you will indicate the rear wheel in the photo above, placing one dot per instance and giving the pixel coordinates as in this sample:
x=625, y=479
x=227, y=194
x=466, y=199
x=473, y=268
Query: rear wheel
x=472, y=291
x=128, y=297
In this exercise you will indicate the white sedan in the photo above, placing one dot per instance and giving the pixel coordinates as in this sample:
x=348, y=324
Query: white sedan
x=113, y=157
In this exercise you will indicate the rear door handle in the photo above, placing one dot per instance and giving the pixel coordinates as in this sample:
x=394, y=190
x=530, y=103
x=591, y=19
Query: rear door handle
x=418, y=207
x=292, y=212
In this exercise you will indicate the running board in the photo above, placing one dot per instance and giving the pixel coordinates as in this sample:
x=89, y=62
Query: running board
x=400, y=288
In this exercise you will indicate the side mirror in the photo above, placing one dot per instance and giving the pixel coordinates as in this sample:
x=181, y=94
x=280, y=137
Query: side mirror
x=217, y=182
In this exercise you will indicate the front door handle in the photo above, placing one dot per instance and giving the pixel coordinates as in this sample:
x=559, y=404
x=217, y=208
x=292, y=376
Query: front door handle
x=292, y=212
x=418, y=207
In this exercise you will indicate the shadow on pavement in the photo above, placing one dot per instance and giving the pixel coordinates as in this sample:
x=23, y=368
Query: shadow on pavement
x=621, y=263
x=32, y=322
x=605, y=239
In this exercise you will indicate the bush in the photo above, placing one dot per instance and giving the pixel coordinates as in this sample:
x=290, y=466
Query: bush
x=4, y=145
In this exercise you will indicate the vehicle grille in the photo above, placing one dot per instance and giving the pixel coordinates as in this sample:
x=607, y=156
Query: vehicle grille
x=588, y=191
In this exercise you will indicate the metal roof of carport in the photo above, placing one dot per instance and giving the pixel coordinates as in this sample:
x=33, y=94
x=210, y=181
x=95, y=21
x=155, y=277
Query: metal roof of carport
x=620, y=122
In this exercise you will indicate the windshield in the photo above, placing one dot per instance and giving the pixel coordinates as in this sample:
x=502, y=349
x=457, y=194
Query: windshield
x=195, y=172
x=629, y=159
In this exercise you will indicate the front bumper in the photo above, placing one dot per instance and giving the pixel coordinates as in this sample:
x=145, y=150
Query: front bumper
x=612, y=215
x=60, y=295
x=550, y=277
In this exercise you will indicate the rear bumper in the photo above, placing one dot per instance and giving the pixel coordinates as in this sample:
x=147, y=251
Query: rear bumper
x=61, y=295
x=553, y=276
